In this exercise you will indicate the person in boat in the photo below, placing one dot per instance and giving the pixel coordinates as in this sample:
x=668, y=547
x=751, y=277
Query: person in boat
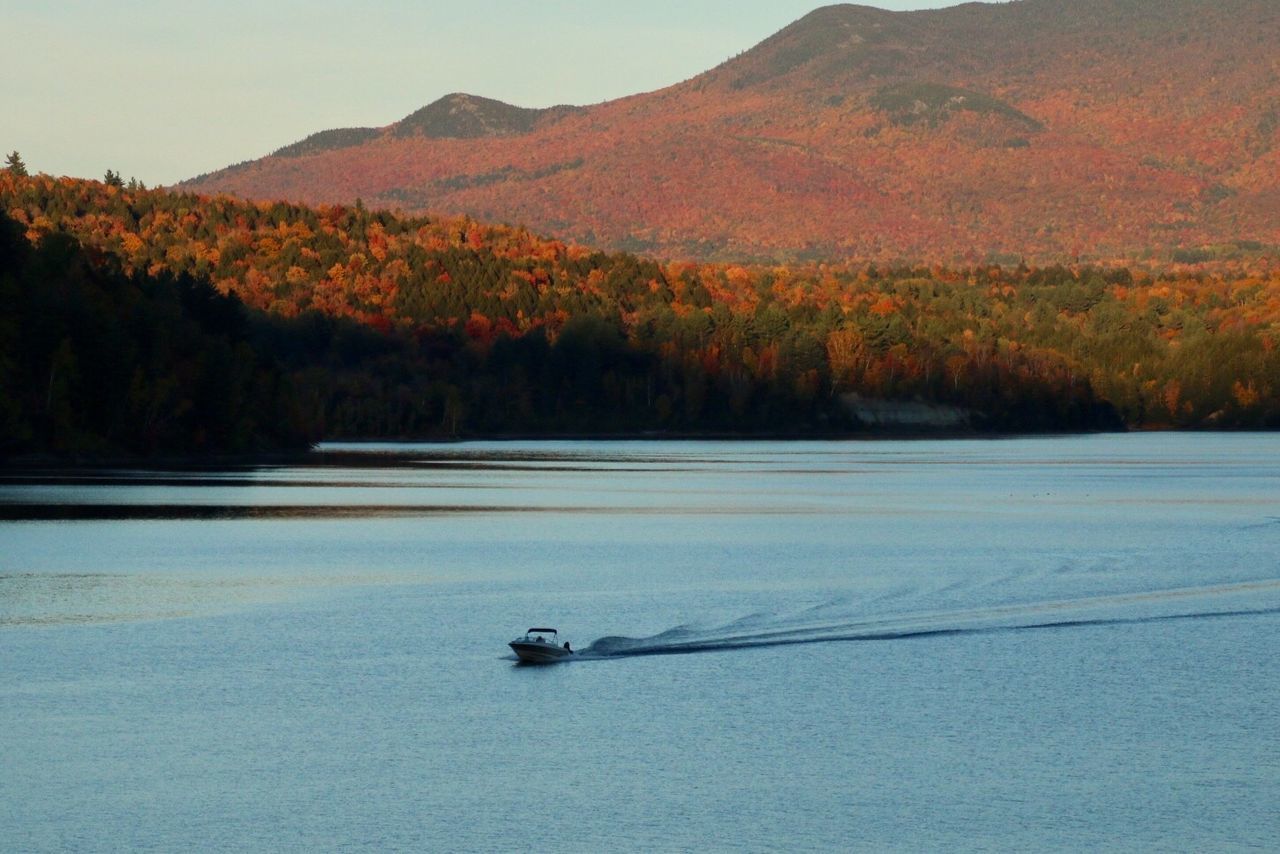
x=566, y=647
x=539, y=639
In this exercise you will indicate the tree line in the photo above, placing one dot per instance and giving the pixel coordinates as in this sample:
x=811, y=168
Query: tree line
x=370, y=324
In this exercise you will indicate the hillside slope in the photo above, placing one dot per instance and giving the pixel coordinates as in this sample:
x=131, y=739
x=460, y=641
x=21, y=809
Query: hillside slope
x=415, y=326
x=1040, y=129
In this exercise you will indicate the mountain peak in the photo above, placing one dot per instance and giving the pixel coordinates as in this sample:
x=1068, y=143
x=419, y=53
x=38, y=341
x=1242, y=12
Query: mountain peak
x=831, y=39
x=843, y=14
x=463, y=116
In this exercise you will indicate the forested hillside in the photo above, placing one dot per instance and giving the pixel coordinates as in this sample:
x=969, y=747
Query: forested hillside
x=1044, y=130
x=96, y=361
x=416, y=326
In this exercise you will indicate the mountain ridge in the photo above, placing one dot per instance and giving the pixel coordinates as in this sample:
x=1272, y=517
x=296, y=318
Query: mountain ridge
x=1039, y=128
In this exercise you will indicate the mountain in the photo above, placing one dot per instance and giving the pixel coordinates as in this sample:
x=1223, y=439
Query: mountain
x=1039, y=129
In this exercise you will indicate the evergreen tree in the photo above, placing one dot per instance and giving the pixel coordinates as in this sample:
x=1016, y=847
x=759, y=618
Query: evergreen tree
x=113, y=179
x=15, y=165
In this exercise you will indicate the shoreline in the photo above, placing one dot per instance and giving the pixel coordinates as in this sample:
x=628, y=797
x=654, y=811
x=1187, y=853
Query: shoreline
x=318, y=455
x=196, y=462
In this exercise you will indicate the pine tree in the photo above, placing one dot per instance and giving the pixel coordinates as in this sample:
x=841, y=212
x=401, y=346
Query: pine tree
x=15, y=165
x=113, y=179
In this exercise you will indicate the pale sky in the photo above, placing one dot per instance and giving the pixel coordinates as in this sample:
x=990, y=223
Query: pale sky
x=167, y=89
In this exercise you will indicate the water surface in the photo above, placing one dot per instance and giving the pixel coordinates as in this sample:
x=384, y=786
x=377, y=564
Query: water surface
x=1051, y=643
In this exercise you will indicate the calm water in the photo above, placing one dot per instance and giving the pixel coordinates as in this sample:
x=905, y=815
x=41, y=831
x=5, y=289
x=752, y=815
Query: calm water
x=1036, y=643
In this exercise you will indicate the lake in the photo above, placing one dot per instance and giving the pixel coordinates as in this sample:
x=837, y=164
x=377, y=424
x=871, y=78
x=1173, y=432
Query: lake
x=1033, y=643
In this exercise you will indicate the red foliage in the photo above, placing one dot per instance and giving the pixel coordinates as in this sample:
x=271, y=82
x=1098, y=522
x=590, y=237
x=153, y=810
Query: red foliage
x=1105, y=134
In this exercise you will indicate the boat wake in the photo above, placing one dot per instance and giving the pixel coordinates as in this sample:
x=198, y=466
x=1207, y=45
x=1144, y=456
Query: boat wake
x=1195, y=603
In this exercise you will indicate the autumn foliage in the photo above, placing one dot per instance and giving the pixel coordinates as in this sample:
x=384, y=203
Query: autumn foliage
x=418, y=326
x=1050, y=131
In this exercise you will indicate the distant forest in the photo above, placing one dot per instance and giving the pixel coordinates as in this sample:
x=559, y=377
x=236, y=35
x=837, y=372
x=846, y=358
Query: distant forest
x=146, y=321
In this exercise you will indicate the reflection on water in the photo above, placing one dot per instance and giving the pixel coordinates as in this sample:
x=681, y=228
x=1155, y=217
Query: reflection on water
x=121, y=512
x=46, y=599
x=899, y=524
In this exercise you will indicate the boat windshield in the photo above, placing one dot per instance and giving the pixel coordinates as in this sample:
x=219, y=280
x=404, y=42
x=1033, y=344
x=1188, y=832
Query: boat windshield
x=544, y=635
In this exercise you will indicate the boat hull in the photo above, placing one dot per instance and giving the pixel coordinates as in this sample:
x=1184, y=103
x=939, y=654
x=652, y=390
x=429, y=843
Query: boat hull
x=539, y=653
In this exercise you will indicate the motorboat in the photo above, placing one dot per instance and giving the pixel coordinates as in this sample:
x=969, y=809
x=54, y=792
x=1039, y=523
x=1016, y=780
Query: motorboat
x=541, y=646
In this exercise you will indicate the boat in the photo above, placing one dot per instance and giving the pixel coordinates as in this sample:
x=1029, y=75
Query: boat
x=540, y=646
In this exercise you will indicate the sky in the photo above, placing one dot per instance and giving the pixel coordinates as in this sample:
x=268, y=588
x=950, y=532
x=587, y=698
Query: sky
x=163, y=90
